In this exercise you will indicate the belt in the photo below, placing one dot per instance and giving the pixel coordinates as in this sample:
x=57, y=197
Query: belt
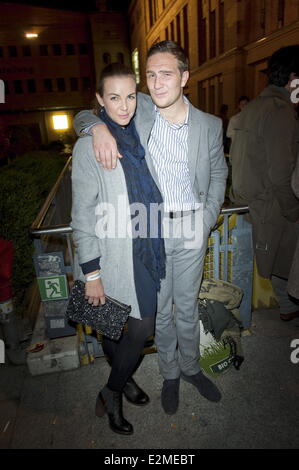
x=177, y=214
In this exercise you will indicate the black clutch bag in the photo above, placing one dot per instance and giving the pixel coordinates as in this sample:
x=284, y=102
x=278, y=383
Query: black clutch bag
x=109, y=318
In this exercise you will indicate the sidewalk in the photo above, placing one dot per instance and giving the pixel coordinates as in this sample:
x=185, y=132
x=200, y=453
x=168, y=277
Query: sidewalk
x=259, y=408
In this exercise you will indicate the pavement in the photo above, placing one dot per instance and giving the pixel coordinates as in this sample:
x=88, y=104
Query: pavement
x=259, y=406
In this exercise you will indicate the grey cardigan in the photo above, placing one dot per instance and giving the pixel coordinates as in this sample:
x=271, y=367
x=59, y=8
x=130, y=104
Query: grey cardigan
x=100, y=202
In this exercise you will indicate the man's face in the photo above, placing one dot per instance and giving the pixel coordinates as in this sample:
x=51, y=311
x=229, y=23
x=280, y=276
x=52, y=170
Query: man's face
x=164, y=79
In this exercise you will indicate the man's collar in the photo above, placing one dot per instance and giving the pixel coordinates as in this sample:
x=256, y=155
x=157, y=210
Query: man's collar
x=171, y=124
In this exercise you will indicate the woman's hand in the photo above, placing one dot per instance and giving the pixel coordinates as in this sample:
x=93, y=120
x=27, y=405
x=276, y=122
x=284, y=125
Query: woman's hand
x=94, y=292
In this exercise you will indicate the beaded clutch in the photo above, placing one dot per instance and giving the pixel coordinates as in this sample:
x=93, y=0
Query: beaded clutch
x=109, y=318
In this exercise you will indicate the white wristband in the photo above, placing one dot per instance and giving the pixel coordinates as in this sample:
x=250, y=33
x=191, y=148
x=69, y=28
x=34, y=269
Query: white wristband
x=93, y=277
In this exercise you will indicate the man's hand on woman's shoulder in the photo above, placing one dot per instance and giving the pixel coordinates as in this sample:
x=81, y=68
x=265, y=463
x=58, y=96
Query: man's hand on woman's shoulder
x=105, y=147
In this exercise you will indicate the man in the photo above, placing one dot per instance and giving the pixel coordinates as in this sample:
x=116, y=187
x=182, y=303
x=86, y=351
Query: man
x=263, y=157
x=185, y=156
x=233, y=122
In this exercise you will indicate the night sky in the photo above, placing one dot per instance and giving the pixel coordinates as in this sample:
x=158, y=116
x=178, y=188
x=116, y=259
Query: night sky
x=85, y=6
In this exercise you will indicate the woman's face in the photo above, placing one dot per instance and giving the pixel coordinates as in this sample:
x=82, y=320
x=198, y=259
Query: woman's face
x=119, y=99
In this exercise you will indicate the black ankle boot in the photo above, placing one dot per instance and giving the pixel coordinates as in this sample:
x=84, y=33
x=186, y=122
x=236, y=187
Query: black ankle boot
x=134, y=394
x=111, y=402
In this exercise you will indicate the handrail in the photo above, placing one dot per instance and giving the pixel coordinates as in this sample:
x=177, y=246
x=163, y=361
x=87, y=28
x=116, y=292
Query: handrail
x=36, y=229
x=45, y=207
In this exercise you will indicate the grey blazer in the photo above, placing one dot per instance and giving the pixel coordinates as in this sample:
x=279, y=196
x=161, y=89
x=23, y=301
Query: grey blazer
x=100, y=199
x=207, y=166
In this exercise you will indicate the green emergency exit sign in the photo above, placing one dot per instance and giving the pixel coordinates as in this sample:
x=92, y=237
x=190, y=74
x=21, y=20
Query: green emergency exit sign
x=53, y=288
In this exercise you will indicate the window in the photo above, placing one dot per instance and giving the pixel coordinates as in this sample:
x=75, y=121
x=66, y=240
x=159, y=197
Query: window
x=166, y=34
x=202, y=96
x=18, y=86
x=135, y=63
x=31, y=85
x=120, y=57
x=74, y=84
x=43, y=50
x=212, y=34
x=263, y=15
x=60, y=84
x=202, y=35
x=151, y=10
x=172, y=37
x=178, y=29
x=106, y=58
x=186, y=34
x=12, y=51
x=48, y=87
x=86, y=83
x=26, y=51
x=70, y=49
x=83, y=49
x=280, y=13
x=221, y=27
x=56, y=49
x=212, y=99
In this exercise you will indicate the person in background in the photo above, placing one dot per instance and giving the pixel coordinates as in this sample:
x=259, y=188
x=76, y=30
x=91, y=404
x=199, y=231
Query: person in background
x=128, y=269
x=263, y=157
x=223, y=115
x=233, y=122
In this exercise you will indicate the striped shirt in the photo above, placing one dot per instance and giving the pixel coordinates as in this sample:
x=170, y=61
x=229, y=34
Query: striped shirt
x=168, y=147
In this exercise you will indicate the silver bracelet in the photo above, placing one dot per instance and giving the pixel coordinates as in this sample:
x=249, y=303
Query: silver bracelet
x=93, y=277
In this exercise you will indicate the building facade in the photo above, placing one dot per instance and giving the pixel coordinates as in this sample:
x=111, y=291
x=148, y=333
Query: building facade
x=50, y=61
x=228, y=42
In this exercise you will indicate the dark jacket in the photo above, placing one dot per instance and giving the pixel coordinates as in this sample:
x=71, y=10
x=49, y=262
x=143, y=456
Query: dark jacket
x=263, y=158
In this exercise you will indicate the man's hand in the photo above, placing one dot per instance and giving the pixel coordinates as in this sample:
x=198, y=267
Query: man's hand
x=94, y=292
x=105, y=147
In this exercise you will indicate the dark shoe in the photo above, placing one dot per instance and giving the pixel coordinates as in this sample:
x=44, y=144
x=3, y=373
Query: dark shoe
x=170, y=396
x=111, y=402
x=134, y=394
x=204, y=385
x=289, y=316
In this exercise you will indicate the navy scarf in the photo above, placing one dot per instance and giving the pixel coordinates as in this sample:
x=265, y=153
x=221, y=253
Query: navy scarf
x=141, y=189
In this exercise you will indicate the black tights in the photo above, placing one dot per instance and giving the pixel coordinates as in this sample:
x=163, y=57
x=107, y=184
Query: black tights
x=125, y=353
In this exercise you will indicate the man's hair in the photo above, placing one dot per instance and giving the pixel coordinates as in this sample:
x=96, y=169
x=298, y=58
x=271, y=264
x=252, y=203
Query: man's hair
x=172, y=48
x=243, y=98
x=282, y=63
x=113, y=70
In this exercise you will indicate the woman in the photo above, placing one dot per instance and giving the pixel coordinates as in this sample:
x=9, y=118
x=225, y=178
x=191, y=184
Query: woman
x=126, y=268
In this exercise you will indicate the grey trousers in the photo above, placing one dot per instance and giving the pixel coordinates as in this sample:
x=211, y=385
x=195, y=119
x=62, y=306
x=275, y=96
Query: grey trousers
x=177, y=326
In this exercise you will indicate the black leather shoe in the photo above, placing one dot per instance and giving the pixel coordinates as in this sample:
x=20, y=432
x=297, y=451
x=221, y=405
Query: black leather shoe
x=134, y=394
x=170, y=396
x=110, y=402
x=204, y=385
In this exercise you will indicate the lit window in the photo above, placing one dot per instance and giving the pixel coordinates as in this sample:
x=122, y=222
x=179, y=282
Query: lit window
x=60, y=122
x=135, y=62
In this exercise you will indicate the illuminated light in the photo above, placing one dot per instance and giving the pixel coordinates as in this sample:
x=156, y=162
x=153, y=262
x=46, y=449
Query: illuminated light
x=135, y=61
x=60, y=122
x=31, y=35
